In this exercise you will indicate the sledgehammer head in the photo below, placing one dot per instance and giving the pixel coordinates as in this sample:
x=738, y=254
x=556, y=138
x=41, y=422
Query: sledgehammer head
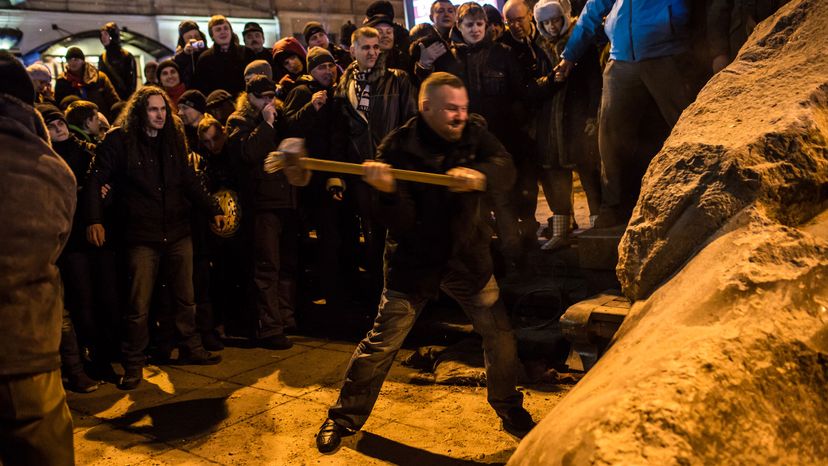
x=287, y=158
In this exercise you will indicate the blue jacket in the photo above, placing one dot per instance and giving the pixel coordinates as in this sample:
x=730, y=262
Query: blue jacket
x=637, y=29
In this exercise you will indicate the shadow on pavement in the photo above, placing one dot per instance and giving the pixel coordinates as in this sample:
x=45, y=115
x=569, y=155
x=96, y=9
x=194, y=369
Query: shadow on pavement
x=177, y=420
x=395, y=452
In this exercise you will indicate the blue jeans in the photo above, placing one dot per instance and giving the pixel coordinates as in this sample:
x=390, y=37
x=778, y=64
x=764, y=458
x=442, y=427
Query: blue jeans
x=143, y=261
x=397, y=312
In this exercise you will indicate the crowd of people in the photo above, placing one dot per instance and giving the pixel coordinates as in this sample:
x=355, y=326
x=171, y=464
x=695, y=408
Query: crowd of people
x=180, y=233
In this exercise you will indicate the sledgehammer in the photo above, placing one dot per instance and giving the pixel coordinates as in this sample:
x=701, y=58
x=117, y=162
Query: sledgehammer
x=291, y=157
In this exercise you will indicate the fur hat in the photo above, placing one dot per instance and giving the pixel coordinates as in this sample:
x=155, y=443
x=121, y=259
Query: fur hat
x=40, y=72
x=551, y=9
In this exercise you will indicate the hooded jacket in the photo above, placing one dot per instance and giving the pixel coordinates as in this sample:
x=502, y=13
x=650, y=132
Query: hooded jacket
x=92, y=85
x=283, y=49
x=637, y=29
x=432, y=230
x=250, y=139
x=392, y=104
x=38, y=191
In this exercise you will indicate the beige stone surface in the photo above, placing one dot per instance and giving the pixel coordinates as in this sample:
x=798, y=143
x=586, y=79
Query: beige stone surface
x=264, y=407
x=724, y=357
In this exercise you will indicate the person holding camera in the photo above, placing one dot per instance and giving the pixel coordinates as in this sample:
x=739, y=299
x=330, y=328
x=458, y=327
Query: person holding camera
x=222, y=65
x=191, y=44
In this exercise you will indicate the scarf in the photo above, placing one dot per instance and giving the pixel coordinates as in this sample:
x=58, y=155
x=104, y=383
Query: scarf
x=363, y=90
x=175, y=92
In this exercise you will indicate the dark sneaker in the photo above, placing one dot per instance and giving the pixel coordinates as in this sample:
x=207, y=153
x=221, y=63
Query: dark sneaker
x=132, y=378
x=330, y=436
x=211, y=342
x=200, y=357
x=81, y=383
x=276, y=342
x=517, y=421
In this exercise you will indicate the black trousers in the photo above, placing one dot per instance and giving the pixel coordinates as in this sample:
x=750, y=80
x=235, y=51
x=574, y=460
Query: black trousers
x=275, y=268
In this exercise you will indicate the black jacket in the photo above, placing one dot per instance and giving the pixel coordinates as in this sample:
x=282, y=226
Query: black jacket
x=250, y=139
x=154, y=188
x=78, y=154
x=119, y=66
x=220, y=70
x=430, y=229
x=38, y=192
x=392, y=104
x=187, y=66
x=250, y=55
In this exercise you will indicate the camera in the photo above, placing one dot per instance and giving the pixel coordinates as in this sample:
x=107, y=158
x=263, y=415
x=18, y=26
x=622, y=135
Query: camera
x=197, y=44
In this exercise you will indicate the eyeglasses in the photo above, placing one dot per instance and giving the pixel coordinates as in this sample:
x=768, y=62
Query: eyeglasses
x=515, y=21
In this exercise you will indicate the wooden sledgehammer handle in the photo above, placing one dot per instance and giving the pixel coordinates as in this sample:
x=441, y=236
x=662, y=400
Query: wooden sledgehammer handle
x=356, y=169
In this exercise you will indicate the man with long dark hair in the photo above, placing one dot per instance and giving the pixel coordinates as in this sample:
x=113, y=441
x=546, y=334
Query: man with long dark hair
x=146, y=158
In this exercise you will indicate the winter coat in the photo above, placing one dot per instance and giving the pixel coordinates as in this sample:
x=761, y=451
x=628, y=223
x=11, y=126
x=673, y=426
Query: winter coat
x=119, y=66
x=250, y=139
x=220, y=70
x=154, y=188
x=187, y=65
x=730, y=22
x=560, y=136
x=281, y=50
x=38, y=192
x=637, y=29
x=78, y=154
x=392, y=104
x=94, y=86
x=250, y=56
x=430, y=229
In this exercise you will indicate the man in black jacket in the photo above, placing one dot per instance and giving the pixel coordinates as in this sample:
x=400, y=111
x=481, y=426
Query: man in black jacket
x=118, y=64
x=370, y=101
x=255, y=130
x=316, y=36
x=222, y=65
x=145, y=158
x=436, y=240
x=497, y=85
x=310, y=114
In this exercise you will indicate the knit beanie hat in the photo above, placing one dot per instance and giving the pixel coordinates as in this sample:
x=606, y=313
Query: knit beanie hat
x=194, y=99
x=50, y=113
x=261, y=67
x=217, y=97
x=75, y=52
x=166, y=64
x=551, y=9
x=318, y=56
x=312, y=28
x=14, y=80
x=40, y=72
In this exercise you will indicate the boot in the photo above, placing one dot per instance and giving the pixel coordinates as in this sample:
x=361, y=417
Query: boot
x=560, y=233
